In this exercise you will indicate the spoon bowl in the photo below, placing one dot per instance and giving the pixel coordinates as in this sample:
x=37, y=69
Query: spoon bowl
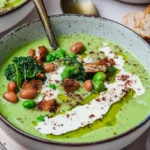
x=79, y=7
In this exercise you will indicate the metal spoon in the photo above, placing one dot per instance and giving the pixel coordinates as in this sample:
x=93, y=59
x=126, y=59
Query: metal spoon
x=2, y=147
x=79, y=7
x=46, y=23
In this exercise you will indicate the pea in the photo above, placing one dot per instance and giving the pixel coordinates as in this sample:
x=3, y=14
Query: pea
x=65, y=74
x=29, y=104
x=41, y=118
x=50, y=58
x=99, y=76
x=98, y=86
x=52, y=86
x=60, y=53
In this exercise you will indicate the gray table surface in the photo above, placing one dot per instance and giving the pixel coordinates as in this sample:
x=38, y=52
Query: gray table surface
x=111, y=9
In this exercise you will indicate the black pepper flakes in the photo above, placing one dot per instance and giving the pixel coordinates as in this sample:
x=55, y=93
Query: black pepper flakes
x=91, y=52
x=103, y=98
x=98, y=100
x=68, y=115
x=91, y=116
x=110, y=100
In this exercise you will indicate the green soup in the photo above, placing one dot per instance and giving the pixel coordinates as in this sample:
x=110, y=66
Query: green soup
x=121, y=117
x=9, y=4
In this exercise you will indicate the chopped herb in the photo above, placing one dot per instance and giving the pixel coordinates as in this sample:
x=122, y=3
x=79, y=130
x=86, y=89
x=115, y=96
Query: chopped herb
x=121, y=54
x=52, y=86
x=41, y=118
x=111, y=74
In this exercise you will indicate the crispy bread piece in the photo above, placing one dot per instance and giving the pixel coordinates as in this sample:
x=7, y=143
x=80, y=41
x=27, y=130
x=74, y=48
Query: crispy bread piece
x=45, y=105
x=139, y=22
x=42, y=52
x=132, y=20
x=145, y=23
x=94, y=67
x=147, y=11
x=33, y=84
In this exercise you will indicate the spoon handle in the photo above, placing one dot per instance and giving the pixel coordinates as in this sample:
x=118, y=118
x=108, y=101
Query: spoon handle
x=2, y=147
x=46, y=23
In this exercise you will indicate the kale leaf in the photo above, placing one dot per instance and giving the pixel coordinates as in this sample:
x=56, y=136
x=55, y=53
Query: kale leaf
x=22, y=68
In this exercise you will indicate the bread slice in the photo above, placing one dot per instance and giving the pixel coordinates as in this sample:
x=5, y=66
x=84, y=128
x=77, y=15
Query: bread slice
x=145, y=21
x=132, y=20
x=139, y=22
x=147, y=11
x=143, y=33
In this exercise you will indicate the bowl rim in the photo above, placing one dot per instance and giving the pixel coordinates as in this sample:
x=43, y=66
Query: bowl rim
x=3, y=13
x=27, y=135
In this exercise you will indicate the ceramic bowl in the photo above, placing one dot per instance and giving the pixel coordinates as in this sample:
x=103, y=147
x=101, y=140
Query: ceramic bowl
x=70, y=24
x=136, y=1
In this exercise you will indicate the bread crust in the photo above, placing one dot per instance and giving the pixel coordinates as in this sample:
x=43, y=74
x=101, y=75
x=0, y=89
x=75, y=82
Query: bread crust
x=132, y=20
x=139, y=22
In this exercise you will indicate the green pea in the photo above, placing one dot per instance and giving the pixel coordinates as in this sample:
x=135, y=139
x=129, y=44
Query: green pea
x=99, y=76
x=65, y=73
x=98, y=86
x=41, y=118
x=60, y=53
x=50, y=58
x=29, y=104
x=52, y=86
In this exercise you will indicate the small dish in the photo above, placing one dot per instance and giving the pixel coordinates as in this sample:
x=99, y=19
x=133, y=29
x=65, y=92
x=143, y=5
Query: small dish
x=18, y=14
x=136, y=1
x=11, y=7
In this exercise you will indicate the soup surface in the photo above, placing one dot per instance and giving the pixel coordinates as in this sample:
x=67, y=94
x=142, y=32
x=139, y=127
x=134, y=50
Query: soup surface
x=81, y=114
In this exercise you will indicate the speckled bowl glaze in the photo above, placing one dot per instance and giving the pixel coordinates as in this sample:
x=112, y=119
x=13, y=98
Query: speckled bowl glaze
x=136, y=1
x=70, y=24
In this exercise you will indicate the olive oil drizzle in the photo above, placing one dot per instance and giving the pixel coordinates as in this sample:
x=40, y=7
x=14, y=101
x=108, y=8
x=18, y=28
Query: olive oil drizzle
x=108, y=120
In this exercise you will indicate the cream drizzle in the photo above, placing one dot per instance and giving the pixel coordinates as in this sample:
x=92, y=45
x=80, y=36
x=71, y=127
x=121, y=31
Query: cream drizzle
x=97, y=108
